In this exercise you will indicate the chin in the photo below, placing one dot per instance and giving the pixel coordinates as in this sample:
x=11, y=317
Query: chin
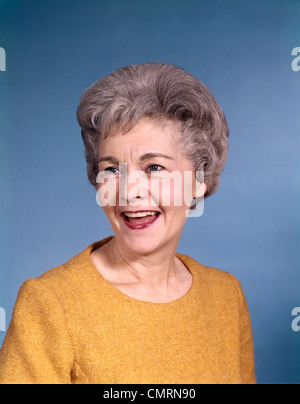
x=139, y=243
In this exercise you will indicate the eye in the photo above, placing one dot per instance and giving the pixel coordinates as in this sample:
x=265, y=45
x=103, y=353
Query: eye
x=112, y=170
x=155, y=168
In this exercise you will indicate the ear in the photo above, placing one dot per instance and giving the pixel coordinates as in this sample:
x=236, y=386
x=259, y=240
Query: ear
x=201, y=189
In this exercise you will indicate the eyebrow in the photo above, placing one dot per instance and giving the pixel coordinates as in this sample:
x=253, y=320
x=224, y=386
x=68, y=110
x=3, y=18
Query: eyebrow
x=146, y=156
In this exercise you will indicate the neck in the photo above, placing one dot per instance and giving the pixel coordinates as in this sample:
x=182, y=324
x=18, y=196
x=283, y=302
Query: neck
x=159, y=277
x=154, y=270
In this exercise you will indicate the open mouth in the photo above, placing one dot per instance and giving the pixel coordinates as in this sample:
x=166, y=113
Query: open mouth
x=140, y=220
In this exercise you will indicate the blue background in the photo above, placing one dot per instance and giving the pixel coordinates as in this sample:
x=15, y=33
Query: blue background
x=241, y=50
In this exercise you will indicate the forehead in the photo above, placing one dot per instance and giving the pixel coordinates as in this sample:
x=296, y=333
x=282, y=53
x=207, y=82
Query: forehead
x=145, y=135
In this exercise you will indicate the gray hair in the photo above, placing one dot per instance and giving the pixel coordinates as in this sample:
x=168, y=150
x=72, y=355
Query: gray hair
x=162, y=92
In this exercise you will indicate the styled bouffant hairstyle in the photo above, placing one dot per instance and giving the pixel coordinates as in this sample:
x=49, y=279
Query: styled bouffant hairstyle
x=161, y=92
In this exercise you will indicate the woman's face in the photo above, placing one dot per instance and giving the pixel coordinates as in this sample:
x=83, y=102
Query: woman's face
x=146, y=208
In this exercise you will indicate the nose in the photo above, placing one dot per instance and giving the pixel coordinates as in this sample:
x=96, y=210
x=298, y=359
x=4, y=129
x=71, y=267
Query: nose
x=133, y=187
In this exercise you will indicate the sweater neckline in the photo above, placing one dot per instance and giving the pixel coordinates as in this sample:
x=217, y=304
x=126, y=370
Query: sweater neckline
x=99, y=279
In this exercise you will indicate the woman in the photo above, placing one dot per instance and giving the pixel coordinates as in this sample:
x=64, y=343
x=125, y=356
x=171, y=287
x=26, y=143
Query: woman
x=129, y=309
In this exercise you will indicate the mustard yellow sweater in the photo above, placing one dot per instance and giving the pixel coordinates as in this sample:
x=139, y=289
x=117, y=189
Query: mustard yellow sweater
x=70, y=326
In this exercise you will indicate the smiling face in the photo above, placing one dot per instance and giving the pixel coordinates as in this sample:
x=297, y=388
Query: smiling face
x=148, y=215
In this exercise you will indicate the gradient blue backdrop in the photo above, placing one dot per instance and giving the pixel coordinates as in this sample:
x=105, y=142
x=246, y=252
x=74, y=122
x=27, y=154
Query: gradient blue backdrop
x=241, y=50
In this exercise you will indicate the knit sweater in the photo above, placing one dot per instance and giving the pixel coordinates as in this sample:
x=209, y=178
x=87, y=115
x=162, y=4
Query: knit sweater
x=70, y=326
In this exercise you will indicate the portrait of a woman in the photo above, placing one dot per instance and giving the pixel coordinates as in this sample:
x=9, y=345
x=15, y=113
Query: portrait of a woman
x=130, y=309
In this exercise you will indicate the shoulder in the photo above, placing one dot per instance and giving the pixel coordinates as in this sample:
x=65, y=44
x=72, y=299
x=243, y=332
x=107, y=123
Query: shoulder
x=74, y=269
x=206, y=272
x=65, y=282
x=218, y=284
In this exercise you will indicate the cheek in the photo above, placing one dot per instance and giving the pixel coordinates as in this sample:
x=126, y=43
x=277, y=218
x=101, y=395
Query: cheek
x=109, y=211
x=107, y=193
x=173, y=190
x=113, y=218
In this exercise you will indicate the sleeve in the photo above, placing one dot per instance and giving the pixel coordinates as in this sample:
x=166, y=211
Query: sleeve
x=37, y=348
x=247, y=360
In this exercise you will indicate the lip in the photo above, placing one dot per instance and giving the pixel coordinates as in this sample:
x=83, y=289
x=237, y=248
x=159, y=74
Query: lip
x=139, y=211
x=139, y=227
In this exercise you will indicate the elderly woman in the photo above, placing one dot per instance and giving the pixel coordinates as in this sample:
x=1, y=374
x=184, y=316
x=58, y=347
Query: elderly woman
x=130, y=309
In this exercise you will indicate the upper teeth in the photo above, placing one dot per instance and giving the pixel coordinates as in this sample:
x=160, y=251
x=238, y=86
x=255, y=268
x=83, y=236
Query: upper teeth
x=141, y=214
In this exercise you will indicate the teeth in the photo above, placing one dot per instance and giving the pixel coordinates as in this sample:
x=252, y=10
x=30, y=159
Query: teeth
x=141, y=214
